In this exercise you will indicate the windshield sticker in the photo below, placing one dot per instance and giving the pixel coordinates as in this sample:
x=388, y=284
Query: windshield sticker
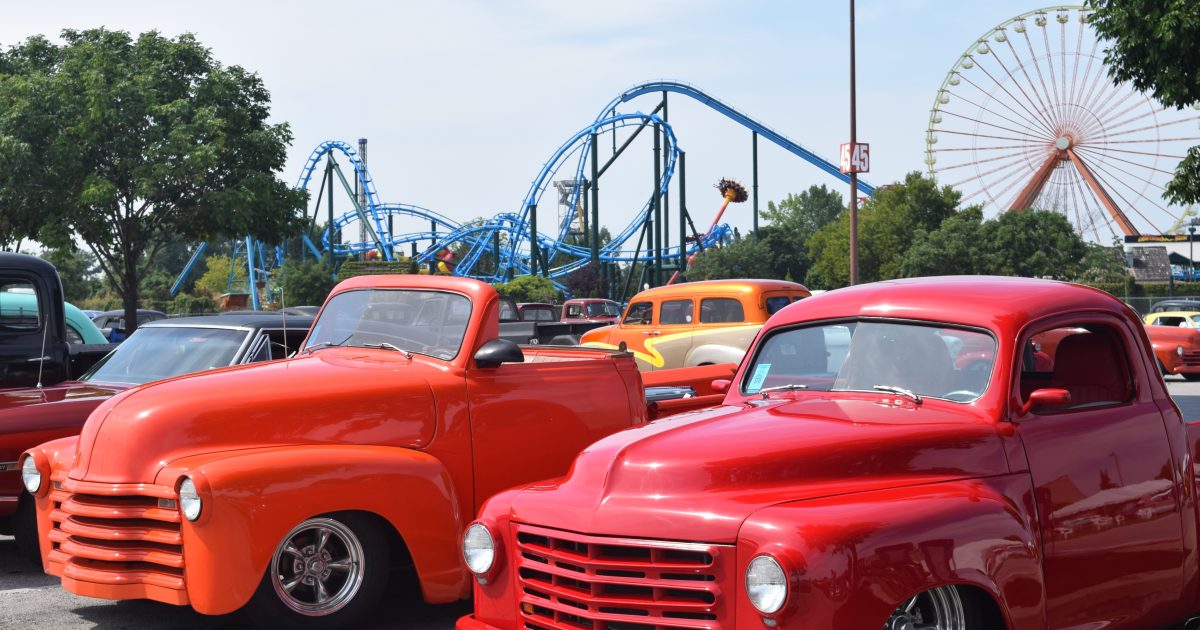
x=760, y=375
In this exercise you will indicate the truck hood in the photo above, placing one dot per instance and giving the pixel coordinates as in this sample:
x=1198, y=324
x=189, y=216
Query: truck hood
x=698, y=476
x=335, y=395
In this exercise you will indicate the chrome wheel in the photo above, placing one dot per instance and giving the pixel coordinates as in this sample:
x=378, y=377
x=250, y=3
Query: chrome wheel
x=937, y=609
x=318, y=567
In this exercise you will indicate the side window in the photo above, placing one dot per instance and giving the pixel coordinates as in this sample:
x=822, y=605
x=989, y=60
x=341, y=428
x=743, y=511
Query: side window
x=508, y=313
x=1170, y=321
x=726, y=310
x=73, y=335
x=1090, y=361
x=574, y=311
x=777, y=302
x=675, y=312
x=18, y=305
x=639, y=314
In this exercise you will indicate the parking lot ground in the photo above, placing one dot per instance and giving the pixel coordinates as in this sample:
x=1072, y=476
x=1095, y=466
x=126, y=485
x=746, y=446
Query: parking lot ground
x=31, y=599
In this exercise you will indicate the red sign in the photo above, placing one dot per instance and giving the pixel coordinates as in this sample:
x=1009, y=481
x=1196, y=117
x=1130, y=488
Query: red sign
x=856, y=157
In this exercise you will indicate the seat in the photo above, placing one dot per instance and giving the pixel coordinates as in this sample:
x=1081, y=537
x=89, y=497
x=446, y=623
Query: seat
x=1090, y=367
x=911, y=357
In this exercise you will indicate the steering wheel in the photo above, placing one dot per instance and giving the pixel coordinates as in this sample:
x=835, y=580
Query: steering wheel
x=961, y=395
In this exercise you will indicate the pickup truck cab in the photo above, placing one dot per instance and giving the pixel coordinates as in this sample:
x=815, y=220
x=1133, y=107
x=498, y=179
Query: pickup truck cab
x=591, y=310
x=37, y=342
x=695, y=323
x=855, y=477
x=294, y=487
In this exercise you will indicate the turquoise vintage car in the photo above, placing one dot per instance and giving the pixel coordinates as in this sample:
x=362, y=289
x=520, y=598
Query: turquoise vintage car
x=80, y=329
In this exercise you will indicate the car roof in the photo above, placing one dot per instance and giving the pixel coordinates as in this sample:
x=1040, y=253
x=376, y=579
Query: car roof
x=1174, y=314
x=121, y=312
x=720, y=286
x=261, y=319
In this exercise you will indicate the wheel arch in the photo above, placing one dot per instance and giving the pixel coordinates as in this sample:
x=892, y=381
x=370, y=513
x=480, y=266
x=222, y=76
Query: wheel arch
x=253, y=498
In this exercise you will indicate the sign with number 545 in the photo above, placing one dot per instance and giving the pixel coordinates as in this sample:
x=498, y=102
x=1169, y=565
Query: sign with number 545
x=856, y=157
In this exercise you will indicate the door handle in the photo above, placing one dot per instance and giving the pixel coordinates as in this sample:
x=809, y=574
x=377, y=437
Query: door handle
x=38, y=359
x=652, y=333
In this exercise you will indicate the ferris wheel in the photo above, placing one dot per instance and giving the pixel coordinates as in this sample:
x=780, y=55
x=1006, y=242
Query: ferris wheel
x=1028, y=118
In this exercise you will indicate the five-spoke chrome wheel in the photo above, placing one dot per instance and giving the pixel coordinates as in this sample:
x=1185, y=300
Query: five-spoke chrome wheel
x=936, y=609
x=318, y=567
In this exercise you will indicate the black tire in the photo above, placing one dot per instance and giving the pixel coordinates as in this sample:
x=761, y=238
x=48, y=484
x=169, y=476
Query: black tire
x=943, y=600
x=268, y=608
x=24, y=525
x=1191, y=377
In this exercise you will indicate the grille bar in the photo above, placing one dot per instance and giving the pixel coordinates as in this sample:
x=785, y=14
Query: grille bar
x=574, y=581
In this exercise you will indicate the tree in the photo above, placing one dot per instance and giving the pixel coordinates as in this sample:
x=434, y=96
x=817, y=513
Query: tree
x=955, y=247
x=134, y=143
x=745, y=257
x=78, y=271
x=1034, y=244
x=305, y=281
x=529, y=289
x=792, y=222
x=1155, y=44
x=887, y=225
x=215, y=280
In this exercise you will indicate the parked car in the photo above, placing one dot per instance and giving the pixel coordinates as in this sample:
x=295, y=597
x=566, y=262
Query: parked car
x=160, y=349
x=1174, y=304
x=695, y=323
x=591, y=310
x=886, y=488
x=1178, y=319
x=1176, y=350
x=112, y=323
x=42, y=339
x=294, y=488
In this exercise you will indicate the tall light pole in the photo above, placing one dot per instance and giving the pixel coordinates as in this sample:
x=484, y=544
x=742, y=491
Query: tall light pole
x=855, y=159
x=1191, y=248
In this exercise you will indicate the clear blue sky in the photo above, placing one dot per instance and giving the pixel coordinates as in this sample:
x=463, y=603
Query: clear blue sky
x=463, y=101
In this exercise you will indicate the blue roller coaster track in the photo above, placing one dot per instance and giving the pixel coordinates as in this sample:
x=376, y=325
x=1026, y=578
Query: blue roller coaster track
x=509, y=237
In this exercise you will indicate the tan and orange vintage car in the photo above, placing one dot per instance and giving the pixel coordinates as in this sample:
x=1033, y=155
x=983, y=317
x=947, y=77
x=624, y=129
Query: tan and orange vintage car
x=696, y=323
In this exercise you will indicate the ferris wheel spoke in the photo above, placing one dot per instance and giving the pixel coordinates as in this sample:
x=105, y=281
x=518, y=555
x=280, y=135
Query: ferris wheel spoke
x=1033, y=57
x=1095, y=165
x=1106, y=143
x=1106, y=117
x=995, y=148
x=1001, y=127
x=1110, y=124
x=1053, y=79
x=1154, y=126
x=1099, y=155
x=1098, y=169
x=1019, y=161
x=1075, y=66
x=1086, y=193
x=1024, y=155
x=1075, y=203
x=1040, y=106
x=981, y=135
x=1023, y=122
x=983, y=185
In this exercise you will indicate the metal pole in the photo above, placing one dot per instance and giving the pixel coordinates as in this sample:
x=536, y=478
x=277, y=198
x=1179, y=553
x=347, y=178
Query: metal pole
x=682, y=213
x=533, y=244
x=329, y=178
x=595, y=200
x=853, y=175
x=1191, y=254
x=362, y=190
x=666, y=195
x=433, y=243
x=656, y=274
x=754, y=169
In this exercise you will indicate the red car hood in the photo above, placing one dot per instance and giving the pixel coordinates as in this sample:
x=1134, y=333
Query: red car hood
x=334, y=396
x=1171, y=334
x=29, y=416
x=698, y=476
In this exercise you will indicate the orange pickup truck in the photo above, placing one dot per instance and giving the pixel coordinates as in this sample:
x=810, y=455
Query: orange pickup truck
x=293, y=488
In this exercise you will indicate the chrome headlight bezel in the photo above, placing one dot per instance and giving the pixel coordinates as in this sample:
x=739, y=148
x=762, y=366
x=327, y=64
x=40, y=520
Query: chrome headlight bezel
x=479, y=549
x=31, y=477
x=190, y=503
x=1179, y=350
x=766, y=584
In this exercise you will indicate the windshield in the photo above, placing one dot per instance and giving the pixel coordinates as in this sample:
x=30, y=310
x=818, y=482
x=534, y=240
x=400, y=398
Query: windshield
x=603, y=309
x=425, y=322
x=937, y=362
x=154, y=353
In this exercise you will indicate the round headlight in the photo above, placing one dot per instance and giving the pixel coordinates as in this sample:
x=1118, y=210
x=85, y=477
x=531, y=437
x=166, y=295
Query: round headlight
x=30, y=475
x=1179, y=350
x=766, y=584
x=479, y=550
x=189, y=500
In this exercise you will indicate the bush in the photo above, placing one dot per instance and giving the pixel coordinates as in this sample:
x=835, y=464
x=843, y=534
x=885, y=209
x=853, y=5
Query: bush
x=530, y=289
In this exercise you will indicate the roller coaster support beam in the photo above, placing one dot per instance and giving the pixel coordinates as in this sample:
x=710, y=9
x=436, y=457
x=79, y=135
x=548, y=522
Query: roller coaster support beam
x=328, y=181
x=683, y=213
x=617, y=152
x=595, y=186
x=656, y=276
x=187, y=269
x=533, y=243
x=666, y=193
x=433, y=243
x=362, y=213
x=251, y=279
x=754, y=169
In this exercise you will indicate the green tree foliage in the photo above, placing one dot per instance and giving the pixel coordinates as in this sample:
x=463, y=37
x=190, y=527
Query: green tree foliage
x=132, y=143
x=745, y=257
x=78, y=271
x=215, y=280
x=529, y=289
x=953, y=248
x=792, y=222
x=1035, y=244
x=305, y=282
x=1155, y=44
x=887, y=225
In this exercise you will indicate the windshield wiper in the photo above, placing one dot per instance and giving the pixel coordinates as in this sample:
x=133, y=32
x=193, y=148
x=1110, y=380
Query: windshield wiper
x=790, y=387
x=327, y=344
x=899, y=390
x=388, y=346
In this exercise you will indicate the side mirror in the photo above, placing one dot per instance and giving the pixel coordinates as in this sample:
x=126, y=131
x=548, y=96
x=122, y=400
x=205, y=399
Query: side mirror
x=497, y=351
x=1043, y=398
x=721, y=385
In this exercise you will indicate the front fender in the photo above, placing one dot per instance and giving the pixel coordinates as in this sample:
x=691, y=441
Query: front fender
x=54, y=459
x=251, y=499
x=854, y=558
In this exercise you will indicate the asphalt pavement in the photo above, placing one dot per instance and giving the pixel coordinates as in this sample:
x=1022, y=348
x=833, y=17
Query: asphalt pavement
x=31, y=599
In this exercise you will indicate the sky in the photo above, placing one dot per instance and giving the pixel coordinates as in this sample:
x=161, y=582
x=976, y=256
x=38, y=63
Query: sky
x=463, y=101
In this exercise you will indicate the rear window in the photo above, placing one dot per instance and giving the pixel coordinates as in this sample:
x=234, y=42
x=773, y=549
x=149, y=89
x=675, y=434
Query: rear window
x=676, y=312
x=18, y=305
x=724, y=310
